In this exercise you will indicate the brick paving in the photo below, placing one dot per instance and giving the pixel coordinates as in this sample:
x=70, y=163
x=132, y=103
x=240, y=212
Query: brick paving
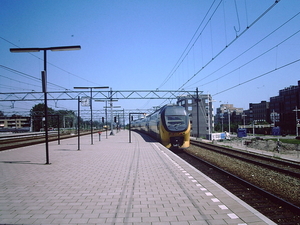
x=112, y=182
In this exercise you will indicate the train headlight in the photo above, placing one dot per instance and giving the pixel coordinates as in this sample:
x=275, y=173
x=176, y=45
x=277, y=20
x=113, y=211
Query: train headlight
x=177, y=134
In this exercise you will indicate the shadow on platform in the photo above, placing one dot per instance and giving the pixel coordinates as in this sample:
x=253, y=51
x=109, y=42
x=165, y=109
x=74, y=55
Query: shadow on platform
x=22, y=162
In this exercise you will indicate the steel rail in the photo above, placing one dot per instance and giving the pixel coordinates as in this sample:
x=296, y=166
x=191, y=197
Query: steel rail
x=282, y=170
x=263, y=192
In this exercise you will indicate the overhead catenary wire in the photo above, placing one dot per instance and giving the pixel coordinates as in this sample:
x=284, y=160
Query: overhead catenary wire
x=28, y=76
x=251, y=47
x=253, y=58
x=261, y=75
x=9, y=78
x=189, y=46
x=228, y=45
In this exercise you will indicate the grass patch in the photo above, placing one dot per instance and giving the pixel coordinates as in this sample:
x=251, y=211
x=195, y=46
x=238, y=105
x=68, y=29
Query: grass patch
x=287, y=141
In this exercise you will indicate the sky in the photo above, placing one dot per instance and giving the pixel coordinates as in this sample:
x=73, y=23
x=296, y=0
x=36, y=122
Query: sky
x=239, y=51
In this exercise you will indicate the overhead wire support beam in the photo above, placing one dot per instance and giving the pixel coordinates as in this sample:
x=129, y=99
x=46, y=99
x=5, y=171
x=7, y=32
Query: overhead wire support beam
x=104, y=95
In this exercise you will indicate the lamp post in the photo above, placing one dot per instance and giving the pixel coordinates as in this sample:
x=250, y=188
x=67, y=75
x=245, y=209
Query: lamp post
x=222, y=117
x=78, y=123
x=244, y=115
x=197, y=104
x=90, y=103
x=44, y=80
x=229, y=120
x=112, y=115
x=228, y=113
x=105, y=113
x=296, y=110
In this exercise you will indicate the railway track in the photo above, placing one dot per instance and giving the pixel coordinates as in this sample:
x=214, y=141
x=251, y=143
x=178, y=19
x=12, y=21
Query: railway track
x=31, y=139
x=281, y=166
x=278, y=208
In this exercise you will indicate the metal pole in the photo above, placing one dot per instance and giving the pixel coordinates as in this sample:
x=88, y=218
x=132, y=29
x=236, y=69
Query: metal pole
x=78, y=123
x=106, y=118
x=296, y=121
x=111, y=114
x=119, y=123
x=91, y=117
x=244, y=119
x=129, y=128
x=46, y=107
x=222, y=121
x=58, y=130
x=124, y=118
x=229, y=121
x=208, y=119
x=197, y=104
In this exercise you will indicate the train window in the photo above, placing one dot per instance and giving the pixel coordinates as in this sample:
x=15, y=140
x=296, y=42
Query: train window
x=176, y=119
x=175, y=111
x=176, y=123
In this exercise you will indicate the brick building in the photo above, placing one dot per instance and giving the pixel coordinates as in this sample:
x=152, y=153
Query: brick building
x=284, y=106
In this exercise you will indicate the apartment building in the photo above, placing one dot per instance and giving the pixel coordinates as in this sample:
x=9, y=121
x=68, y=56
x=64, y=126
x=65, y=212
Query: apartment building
x=199, y=109
x=17, y=123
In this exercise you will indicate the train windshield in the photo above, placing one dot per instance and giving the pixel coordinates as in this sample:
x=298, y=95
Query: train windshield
x=176, y=119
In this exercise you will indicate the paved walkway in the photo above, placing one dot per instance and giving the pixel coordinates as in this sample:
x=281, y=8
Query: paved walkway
x=112, y=182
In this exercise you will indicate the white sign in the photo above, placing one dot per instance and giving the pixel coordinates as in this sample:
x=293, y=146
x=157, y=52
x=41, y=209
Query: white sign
x=85, y=101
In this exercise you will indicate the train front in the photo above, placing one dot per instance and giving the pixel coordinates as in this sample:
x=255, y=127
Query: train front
x=176, y=127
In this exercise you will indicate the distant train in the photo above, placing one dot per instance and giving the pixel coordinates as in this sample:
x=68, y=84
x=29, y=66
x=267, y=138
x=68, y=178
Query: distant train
x=170, y=125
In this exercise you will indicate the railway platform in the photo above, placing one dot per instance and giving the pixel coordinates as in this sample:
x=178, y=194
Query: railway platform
x=112, y=182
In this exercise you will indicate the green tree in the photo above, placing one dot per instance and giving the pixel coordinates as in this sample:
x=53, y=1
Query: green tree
x=37, y=114
x=67, y=118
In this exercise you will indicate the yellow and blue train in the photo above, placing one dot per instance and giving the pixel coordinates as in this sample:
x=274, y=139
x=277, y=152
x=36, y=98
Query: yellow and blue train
x=170, y=125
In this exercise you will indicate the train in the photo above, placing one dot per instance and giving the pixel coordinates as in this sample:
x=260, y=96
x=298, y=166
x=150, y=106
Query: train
x=170, y=125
